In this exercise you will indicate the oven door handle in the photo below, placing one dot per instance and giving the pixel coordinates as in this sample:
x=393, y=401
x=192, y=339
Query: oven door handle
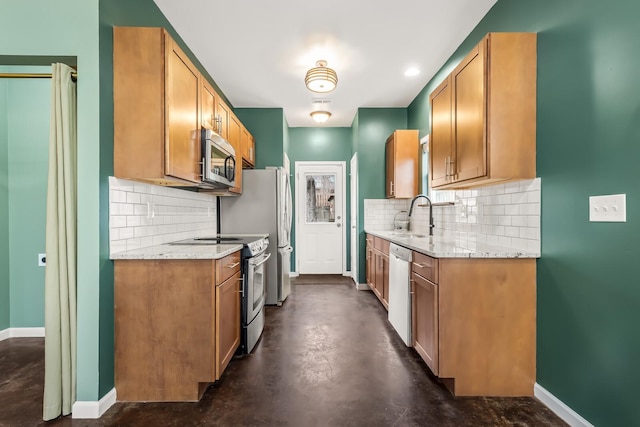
x=261, y=262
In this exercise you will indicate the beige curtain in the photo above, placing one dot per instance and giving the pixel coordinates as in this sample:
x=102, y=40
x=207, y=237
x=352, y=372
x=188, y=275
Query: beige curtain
x=60, y=274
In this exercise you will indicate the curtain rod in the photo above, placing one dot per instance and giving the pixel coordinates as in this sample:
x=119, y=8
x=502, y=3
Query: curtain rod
x=32, y=75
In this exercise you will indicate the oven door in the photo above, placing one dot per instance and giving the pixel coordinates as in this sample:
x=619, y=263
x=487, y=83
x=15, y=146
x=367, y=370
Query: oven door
x=255, y=291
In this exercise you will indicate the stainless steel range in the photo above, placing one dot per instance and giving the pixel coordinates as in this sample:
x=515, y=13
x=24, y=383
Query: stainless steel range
x=254, y=256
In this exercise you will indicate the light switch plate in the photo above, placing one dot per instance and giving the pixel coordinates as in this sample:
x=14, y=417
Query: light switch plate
x=610, y=208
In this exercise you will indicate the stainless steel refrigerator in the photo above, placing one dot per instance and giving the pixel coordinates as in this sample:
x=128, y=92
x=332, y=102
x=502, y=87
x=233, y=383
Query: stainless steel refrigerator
x=264, y=207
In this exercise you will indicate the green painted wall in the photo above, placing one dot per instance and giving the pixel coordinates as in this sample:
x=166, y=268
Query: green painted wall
x=588, y=134
x=321, y=145
x=28, y=110
x=64, y=29
x=4, y=208
x=268, y=127
x=374, y=125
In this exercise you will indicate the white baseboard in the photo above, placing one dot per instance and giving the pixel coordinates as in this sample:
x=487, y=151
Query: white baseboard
x=91, y=409
x=293, y=274
x=21, y=333
x=362, y=287
x=567, y=414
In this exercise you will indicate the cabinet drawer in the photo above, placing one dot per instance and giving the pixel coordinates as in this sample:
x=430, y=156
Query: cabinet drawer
x=227, y=266
x=425, y=266
x=382, y=245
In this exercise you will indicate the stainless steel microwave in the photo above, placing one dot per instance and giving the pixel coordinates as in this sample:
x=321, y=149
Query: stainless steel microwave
x=218, y=160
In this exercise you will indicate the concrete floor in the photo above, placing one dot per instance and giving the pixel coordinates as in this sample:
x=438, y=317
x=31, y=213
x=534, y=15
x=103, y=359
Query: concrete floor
x=328, y=357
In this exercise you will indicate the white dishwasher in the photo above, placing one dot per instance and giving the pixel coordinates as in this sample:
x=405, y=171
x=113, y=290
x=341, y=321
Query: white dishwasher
x=399, y=291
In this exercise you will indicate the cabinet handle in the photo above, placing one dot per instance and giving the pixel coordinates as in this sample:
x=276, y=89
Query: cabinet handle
x=391, y=188
x=241, y=291
x=202, y=163
x=446, y=168
x=235, y=264
x=420, y=265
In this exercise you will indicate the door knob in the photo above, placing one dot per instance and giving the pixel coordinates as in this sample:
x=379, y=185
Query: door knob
x=338, y=224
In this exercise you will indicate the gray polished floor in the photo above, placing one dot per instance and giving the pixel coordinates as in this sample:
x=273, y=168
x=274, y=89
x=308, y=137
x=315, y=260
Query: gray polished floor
x=328, y=357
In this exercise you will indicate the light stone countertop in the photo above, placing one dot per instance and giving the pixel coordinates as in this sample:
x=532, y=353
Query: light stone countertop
x=439, y=247
x=167, y=251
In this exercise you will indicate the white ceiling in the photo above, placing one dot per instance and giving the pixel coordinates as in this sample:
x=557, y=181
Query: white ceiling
x=258, y=52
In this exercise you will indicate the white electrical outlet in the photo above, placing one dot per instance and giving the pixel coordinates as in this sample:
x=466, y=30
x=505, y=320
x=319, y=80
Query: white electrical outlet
x=611, y=208
x=42, y=260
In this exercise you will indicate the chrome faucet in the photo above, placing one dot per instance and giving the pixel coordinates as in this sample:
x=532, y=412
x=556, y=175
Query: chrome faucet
x=430, y=211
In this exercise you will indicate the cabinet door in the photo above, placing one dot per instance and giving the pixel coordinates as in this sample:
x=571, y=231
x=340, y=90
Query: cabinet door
x=390, y=167
x=440, y=141
x=425, y=320
x=248, y=148
x=469, y=104
x=227, y=321
x=222, y=113
x=369, y=262
x=208, y=106
x=385, y=280
x=234, y=140
x=182, y=142
x=378, y=276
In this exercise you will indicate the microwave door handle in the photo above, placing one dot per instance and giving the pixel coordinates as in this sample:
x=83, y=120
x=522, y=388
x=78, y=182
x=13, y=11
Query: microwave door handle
x=230, y=176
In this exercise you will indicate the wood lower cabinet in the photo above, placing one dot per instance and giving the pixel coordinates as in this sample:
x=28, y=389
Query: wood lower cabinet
x=377, y=268
x=401, y=158
x=424, y=310
x=156, y=108
x=176, y=326
x=227, y=321
x=474, y=323
x=483, y=115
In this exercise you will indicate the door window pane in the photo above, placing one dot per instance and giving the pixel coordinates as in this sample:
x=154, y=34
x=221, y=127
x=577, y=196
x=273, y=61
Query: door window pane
x=320, y=201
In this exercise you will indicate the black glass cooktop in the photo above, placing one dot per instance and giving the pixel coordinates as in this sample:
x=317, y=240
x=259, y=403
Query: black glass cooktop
x=217, y=240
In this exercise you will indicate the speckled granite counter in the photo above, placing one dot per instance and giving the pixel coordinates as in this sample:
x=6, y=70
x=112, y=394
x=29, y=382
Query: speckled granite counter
x=439, y=247
x=179, y=252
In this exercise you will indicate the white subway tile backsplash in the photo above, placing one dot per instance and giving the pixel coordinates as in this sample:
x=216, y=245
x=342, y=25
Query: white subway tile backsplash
x=142, y=215
x=503, y=214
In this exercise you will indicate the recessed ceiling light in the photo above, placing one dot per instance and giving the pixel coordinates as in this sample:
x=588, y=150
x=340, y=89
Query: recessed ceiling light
x=411, y=72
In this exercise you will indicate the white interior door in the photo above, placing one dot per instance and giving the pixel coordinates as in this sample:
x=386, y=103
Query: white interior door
x=320, y=234
x=353, y=174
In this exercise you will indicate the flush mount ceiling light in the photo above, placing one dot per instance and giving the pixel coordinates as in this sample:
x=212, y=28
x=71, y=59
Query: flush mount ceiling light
x=320, y=116
x=321, y=78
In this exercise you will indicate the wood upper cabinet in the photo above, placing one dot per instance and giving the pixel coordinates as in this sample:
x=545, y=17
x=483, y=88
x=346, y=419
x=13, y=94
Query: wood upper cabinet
x=209, y=100
x=484, y=115
x=234, y=135
x=156, y=108
x=248, y=148
x=441, y=131
x=401, y=158
x=222, y=115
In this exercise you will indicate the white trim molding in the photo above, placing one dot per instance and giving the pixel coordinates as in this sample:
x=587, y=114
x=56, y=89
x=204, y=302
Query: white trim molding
x=91, y=409
x=567, y=414
x=293, y=274
x=21, y=333
x=362, y=287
